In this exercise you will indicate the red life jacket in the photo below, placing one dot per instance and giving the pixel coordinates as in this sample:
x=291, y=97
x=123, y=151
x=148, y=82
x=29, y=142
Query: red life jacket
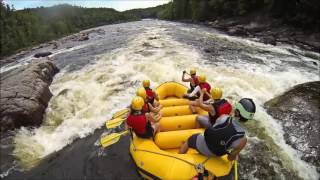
x=145, y=108
x=137, y=122
x=150, y=94
x=221, y=107
x=208, y=87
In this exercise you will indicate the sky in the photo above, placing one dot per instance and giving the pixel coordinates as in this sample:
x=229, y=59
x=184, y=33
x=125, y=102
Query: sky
x=120, y=5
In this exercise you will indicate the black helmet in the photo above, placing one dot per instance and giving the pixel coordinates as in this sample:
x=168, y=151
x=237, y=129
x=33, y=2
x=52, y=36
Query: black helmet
x=246, y=108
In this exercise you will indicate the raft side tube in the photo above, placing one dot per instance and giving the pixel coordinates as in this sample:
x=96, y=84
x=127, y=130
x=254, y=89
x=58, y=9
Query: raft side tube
x=174, y=102
x=173, y=123
x=171, y=89
x=174, y=139
x=180, y=111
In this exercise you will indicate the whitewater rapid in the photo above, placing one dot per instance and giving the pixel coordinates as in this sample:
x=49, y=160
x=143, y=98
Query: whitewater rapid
x=84, y=99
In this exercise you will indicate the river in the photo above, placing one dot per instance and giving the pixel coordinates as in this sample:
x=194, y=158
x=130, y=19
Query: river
x=99, y=77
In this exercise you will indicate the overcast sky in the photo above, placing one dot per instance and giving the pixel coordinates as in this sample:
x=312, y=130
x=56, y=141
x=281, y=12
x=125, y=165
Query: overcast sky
x=120, y=5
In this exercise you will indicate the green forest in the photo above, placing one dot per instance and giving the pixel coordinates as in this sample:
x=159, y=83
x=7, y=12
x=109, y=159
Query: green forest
x=29, y=27
x=299, y=13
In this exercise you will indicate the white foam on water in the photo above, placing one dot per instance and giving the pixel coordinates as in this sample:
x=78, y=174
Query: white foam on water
x=84, y=100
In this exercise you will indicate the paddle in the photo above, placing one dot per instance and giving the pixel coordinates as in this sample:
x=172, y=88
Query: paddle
x=114, y=123
x=111, y=138
x=120, y=113
x=116, y=119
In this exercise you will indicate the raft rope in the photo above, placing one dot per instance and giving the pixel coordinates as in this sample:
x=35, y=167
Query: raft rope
x=199, y=167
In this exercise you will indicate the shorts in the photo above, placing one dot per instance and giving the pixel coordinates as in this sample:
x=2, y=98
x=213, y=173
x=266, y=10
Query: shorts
x=192, y=141
x=204, y=121
x=148, y=133
x=197, y=142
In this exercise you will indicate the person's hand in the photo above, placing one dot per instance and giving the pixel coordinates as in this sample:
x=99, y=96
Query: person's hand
x=203, y=90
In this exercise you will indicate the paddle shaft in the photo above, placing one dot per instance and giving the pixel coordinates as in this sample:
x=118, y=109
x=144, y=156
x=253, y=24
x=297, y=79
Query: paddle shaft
x=235, y=170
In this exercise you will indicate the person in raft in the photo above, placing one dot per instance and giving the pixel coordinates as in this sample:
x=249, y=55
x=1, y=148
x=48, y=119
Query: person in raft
x=152, y=96
x=226, y=136
x=139, y=122
x=203, y=85
x=215, y=109
x=153, y=112
x=193, y=80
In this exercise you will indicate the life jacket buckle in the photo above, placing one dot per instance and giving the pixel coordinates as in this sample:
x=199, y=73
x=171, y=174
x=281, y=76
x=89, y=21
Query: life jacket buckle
x=199, y=168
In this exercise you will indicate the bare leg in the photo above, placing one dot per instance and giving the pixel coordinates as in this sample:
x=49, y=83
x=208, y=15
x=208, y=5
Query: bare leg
x=184, y=148
x=156, y=128
x=192, y=106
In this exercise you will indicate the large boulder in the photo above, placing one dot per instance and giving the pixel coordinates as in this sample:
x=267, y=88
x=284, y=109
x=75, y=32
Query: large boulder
x=299, y=113
x=42, y=54
x=25, y=94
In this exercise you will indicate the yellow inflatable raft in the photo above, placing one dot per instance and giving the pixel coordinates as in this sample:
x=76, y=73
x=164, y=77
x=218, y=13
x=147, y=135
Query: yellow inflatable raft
x=159, y=159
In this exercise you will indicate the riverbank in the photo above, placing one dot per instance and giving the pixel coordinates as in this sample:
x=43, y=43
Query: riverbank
x=267, y=30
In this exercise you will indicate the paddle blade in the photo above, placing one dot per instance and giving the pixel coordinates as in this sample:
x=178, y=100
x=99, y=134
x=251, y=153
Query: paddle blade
x=114, y=123
x=111, y=139
x=120, y=113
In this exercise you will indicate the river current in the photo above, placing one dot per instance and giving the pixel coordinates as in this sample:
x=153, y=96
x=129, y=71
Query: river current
x=100, y=77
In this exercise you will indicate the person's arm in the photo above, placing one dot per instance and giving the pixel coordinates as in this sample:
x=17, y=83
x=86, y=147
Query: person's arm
x=150, y=117
x=153, y=109
x=235, y=152
x=184, y=79
x=195, y=91
x=206, y=107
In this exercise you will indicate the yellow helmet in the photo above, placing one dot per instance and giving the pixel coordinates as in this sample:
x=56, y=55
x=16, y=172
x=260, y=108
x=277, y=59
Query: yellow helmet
x=216, y=93
x=193, y=71
x=141, y=92
x=137, y=103
x=202, y=78
x=146, y=83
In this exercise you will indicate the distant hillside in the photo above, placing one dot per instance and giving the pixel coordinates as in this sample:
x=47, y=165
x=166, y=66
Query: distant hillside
x=28, y=27
x=152, y=12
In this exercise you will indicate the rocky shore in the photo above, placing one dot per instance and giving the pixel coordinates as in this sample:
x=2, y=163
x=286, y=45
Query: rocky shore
x=267, y=30
x=46, y=49
x=298, y=112
x=25, y=94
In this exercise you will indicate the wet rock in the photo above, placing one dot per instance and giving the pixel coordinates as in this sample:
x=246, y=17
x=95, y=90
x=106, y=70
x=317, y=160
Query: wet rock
x=267, y=30
x=269, y=40
x=299, y=110
x=237, y=30
x=152, y=38
x=25, y=94
x=42, y=54
x=83, y=38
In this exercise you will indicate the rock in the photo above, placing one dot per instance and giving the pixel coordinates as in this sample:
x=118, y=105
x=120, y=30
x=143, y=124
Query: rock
x=298, y=111
x=152, y=38
x=42, y=54
x=269, y=40
x=237, y=30
x=25, y=95
x=83, y=38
